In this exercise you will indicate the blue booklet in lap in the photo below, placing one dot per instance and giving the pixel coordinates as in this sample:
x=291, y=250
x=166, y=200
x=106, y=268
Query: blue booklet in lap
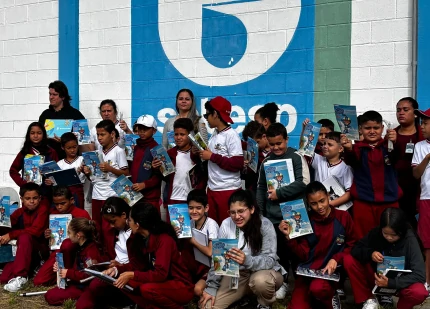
x=252, y=154
x=32, y=168
x=82, y=131
x=296, y=215
x=391, y=262
x=123, y=188
x=223, y=265
x=67, y=177
x=346, y=116
x=171, y=139
x=58, y=225
x=180, y=219
x=309, y=139
x=48, y=167
x=57, y=127
x=279, y=173
x=5, y=211
x=61, y=282
x=160, y=153
x=130, y=142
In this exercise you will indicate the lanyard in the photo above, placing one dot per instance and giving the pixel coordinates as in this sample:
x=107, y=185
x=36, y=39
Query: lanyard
x=237, y=237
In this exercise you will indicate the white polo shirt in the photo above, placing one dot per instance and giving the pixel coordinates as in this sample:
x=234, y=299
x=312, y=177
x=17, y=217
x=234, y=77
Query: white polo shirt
x=115, y=156
x=323, y=170
x=227, y=144
x=421, y=150
x=121, y=142
x=65, y=165
x=209, y=227
x=121, y=247
x=181, y=186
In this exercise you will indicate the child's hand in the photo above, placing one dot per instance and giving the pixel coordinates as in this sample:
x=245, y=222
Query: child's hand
x=377, y=257
x=63, y=273
x=345, y=142
x=205, y=155
x=381, y=280
x=156, y=163
x=285, y=228
x=86, y=170
x=110, y=272
x=55, y=267
x=271, y=195
x=204, y=299
x=330, y=267
x=245, y=163
x=114, y=263
x=194, y=149
x=48, y=182
x=56, y=138
x=391, y=135
x=123, y=279
x=138, y=186
x=4, y=239
x=48, y=233
x=305, y=122
x=237, y=255
x=105, y=167
x=79, y=169
x=177, y=230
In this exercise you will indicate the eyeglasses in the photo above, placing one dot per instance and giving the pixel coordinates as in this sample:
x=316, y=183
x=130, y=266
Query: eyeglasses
x=206, y=116
x=239, y=212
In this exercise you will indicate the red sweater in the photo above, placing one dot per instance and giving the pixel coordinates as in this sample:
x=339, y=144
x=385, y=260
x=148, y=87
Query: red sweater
x=74, y=211
x=32, y=222
x=87, y=255
x=161, y=261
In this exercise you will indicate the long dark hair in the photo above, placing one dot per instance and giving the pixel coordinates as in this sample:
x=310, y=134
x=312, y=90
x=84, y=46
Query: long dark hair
x=62, y=91
x=115, y=206
x=415, y=106
x=86, y=227
x=192, y=114
x=28, y=144
x=252, y=229
x=394, y=218
x=269, y=111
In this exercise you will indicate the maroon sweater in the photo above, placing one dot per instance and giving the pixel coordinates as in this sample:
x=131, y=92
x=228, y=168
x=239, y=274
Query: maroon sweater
x=32, y=222
x=74, y=211
x=87, y=255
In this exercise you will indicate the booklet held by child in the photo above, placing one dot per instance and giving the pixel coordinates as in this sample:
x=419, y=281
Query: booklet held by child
x=49, y=167
x=130, y=143
x=317, y=273
x=57, y=127
x=123, y=188
x=105, y=278
x=82, y=131
x=198, y=141
x=252, y=154
x=336, y=190
x=160, y=153
x=180, y=219
x=61, y=282
x=58, y=225
x=296, y=215
x=279, y=173
x=92, y=160
x=346, y=116
x=5, y=211
x=309, y=139
x=223, y=264
x=390, y=274
x=32, y=168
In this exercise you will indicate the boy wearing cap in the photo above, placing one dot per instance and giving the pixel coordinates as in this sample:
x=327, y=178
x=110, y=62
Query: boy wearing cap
x=420, y=162
x=224, y=156
x=146, y=180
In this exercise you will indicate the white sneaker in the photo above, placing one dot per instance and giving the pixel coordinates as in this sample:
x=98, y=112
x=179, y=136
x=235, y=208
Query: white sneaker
x=371, y=304
x=427, y=286
x=15, y=284
x=282, y=291
x=335, y=302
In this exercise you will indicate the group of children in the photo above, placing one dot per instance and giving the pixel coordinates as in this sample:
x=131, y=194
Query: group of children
x=145, y=253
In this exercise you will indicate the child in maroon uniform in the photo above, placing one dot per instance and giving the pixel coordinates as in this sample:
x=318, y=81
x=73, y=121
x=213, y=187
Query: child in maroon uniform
x=28, y=225
x=156, y=269
x=64, y=204
x=82, y=232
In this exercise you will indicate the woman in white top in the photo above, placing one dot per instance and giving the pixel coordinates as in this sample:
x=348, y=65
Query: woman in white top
x=186, y=108
x=260, y=272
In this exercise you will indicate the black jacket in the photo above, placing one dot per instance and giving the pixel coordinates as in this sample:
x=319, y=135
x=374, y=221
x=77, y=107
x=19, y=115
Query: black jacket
x=406, y=246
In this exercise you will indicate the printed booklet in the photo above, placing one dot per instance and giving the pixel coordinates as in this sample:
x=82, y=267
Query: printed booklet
x=106, y=278
x=223, y=265
x=130, y=142
x=92, y=161
x=58, y=225
x=390, y=274
x=317, y=273
x=198, y=141
x=82, y=131
x=49, y=167
x=390, y=262
x=8, y=252
x=57, y=127
x=67, y=177
x=123, y=188
x=180, y=219
x=171, y=139
x=61, y=282
x=346, y=116
x=167, y=166
x=296, y=215
x=279, y=173
x=252, y=154
x=309, y=139
x=336, y=190
x=5, y=211
x=32, y=168
x=202, y=239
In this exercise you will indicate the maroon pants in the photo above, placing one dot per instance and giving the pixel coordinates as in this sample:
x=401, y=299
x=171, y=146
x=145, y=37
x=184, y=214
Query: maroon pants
x=218, y=204
x=46, y=276
x=56, y=296
x=319, y=289
x=107, y=234
x=368, y=215
x=30, y=250
x=363, y=280
x=78, y=195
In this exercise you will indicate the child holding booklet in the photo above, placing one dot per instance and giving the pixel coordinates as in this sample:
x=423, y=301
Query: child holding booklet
x=83, y=233
x=64, y=203
x=392, y=238
x=325, y=249
x=28, y=224
x=327, y=126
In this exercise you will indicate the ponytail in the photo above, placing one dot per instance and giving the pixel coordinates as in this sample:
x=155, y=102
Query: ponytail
x=86, y=227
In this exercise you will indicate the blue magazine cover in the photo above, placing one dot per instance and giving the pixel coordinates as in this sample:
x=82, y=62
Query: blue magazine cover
x=49, y=167
x=160, y=153
x=252, y=154
x=279, y=173
x=58, y=225
x=61, y=282
x=296, y=215
x=82, y=131
x=346, y=116
x=223, y=265
x=309, y=138
x=92, y=160
x=130, y=142
x=171, y=139
x=180, y=219
x=391, y=262
x=8, y=252
x=57, y=127
x=13, y=207
x=122, y=187
x=5, y=211
x=31, y=171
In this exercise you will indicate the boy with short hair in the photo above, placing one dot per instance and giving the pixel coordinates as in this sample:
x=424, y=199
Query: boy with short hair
x=64, y=203
x=224, y=156
x=420, y=162
x=144, y=178
x=375, y=186
x=28, y=225
x=327, y=126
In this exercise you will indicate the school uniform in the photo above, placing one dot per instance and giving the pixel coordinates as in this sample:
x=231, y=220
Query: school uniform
x=224, y=167
x=323, y=170
x=45, y=275
x=76, y=190
x=86, y=255
x=28, y=229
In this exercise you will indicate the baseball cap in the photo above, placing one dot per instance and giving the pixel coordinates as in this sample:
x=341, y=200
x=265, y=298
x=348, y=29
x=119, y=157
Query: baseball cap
x=147, y=121
x=425, y=114
x=223, y=106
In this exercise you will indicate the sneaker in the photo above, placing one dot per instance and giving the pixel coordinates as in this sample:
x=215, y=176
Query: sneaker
x=263, y=307
x=371, y=304
x=15, y=284
x=385, y=301
x=335, y=301
x=341, y=293
x=282, y=291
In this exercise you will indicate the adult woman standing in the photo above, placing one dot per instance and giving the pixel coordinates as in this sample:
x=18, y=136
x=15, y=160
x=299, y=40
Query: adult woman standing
x=186, y=108
x=408, y=134
x=260, y=272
